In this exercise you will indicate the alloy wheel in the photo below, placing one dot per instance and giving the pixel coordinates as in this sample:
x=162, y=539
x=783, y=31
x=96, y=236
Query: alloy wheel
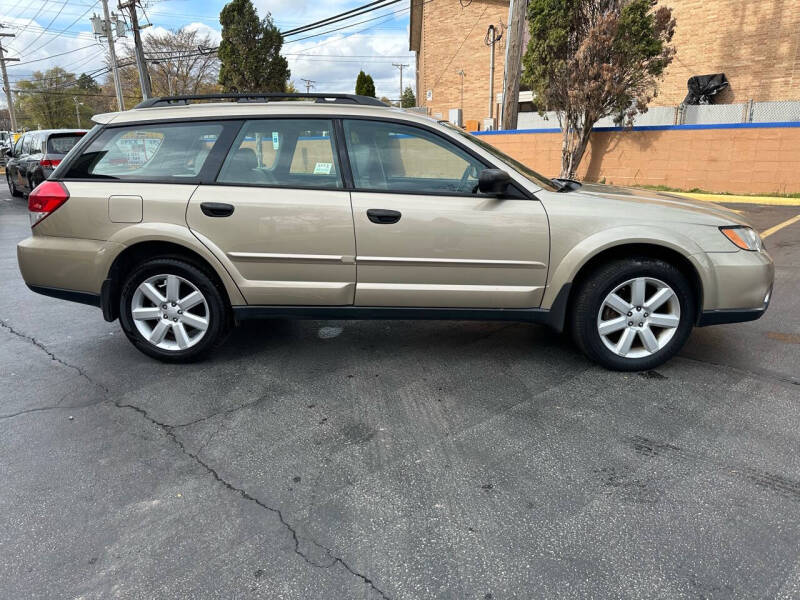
x=639, y=317
x=170, y=312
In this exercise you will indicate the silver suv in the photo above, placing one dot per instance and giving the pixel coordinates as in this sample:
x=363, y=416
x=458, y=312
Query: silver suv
x=182, y=217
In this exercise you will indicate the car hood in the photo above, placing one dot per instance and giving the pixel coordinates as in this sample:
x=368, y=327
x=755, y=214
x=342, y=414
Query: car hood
x=693, y=211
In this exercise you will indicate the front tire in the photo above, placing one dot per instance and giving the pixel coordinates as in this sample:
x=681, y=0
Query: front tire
x=172, y=310
x=633, y=314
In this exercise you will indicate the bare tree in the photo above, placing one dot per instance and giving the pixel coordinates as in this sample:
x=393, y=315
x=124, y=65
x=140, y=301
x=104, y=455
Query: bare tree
x=180, y=62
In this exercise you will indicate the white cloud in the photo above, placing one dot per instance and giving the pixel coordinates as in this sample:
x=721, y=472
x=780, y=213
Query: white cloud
x=335, y=62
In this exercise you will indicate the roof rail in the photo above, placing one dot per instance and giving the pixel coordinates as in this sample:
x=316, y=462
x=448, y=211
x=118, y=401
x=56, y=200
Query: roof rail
x=257, y=97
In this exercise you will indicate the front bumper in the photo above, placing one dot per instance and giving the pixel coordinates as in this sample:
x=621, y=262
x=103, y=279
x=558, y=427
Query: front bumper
x=743, y=287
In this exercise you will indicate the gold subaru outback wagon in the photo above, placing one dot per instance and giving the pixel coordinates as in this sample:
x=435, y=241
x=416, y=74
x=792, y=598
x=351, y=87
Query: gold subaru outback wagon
x=188, y=214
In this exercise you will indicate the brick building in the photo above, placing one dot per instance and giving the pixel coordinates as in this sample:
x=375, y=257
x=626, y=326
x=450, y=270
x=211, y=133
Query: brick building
x=756, y=43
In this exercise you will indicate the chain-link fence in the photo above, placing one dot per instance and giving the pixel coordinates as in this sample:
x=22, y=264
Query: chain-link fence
x=704, y=114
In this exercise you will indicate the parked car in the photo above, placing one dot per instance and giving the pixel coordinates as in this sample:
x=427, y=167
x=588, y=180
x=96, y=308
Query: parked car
x=35, y=156
x=183, y=218
x=6, y=143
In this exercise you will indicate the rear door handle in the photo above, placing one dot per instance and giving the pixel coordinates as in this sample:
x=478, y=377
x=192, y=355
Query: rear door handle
x=382, y=216
x=216, y=209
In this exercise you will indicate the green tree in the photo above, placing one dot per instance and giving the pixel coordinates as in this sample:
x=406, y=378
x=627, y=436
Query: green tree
x=408, y=100
x=45, y=100
x=364, y=85
x=588, y=59
x=249, y=53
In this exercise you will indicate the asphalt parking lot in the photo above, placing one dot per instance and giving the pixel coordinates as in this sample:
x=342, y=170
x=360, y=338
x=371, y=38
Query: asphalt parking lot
x=394, y=459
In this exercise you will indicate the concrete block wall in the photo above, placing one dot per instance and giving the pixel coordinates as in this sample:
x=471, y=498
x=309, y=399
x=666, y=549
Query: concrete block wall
x=738, y=159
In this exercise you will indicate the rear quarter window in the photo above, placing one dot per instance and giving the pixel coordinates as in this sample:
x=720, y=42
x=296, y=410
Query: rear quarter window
x=158, y=152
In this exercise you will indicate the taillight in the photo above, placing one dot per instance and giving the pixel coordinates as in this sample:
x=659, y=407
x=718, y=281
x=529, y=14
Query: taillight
x=44, y=199
x=51, y=163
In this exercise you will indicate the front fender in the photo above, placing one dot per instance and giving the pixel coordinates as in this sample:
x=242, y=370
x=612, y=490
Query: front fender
x=565, y=269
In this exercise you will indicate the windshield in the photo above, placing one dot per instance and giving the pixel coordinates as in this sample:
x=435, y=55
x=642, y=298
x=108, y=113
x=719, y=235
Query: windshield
x=526, y=172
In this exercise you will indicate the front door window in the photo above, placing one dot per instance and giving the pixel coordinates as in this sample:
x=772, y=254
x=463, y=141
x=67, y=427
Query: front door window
x=387, y=156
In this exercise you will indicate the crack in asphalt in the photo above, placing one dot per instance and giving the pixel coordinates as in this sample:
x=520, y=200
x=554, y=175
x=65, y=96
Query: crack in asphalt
x=53, y=357
x=169, y=430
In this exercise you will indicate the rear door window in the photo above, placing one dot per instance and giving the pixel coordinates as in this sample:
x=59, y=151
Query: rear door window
x=62, y=143
x=283, y=152
x=158, y=152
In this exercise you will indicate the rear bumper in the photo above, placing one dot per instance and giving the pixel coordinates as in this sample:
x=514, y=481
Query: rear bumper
x=65, y=264
x=71, y=295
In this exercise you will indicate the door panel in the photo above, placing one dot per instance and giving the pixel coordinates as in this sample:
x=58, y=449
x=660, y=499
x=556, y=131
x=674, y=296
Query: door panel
x=287, y=246
x=450, y=246
x=451, y=251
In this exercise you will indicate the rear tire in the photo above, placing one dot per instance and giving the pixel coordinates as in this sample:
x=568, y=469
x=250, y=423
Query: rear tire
x=172, y=310
x=13, y=188
x=633, y=314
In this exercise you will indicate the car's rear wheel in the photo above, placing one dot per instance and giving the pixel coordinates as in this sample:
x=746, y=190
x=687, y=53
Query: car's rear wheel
x=172, y=310
x=12, y=188
x=634, y=314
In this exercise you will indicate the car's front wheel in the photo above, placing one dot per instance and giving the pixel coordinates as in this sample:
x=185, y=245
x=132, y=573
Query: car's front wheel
x=172, y=310
x=634, y=314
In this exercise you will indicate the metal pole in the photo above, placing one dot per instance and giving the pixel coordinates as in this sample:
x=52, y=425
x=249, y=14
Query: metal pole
x=491, y=71
x=401, y=67
x=77, y=110
x=141, y=62
x=7, y=86
x=113, y=56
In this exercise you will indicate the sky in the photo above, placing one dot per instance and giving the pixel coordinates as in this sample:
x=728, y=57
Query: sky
x=47, y=28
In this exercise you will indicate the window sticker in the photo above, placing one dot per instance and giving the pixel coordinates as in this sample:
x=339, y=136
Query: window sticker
x=275, y=140
x=323, y=168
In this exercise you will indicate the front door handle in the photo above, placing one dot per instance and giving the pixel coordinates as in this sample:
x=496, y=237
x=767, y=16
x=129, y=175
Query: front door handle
x=216, y=209
x=382, y=216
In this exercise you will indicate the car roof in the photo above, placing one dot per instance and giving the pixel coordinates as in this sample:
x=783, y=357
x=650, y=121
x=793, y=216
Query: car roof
x=49, y=132
x=247, y=110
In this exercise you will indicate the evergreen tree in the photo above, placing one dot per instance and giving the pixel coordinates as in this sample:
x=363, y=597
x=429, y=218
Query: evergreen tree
x=365, y=86
x=408, y=100
x=249, y=53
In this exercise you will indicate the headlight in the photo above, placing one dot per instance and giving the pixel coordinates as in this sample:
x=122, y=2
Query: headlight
x=743, y=237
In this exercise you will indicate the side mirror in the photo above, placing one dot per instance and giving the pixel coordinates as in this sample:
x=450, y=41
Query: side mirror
x=493, y=181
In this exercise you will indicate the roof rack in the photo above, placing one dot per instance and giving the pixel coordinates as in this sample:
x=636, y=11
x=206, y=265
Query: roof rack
x=267, y=97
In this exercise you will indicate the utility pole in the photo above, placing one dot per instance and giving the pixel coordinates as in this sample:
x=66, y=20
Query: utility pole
x=513, y=67
x=112, y=55
x=309, y=84
x=6, y=85
x=141, y=62
x=491, y=39
x=77, y=110
x=401, y=67
x=461, y=73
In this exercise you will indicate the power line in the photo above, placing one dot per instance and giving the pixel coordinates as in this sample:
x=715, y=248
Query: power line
x=366, y=8
x=67, y=27
x=53, y=20
x=56, y=55
x=28, y=24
